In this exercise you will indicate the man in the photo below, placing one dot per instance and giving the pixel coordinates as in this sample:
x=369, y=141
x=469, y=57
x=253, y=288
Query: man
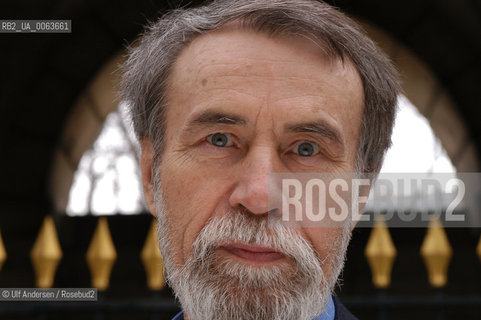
x=222, y=96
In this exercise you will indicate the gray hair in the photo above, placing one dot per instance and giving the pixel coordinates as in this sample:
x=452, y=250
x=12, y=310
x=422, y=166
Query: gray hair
x=147, y=69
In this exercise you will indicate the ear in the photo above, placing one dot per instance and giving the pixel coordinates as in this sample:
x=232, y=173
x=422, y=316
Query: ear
x=146, y=163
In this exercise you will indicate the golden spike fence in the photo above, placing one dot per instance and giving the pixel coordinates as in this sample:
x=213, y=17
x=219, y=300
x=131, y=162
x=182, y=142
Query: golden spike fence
x=46, y=254
x=101, y=255
x=436, y=252
x=380, y=253
x=3, y=252
x=152, y=260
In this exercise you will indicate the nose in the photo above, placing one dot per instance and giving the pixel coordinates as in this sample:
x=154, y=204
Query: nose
x=252, y=188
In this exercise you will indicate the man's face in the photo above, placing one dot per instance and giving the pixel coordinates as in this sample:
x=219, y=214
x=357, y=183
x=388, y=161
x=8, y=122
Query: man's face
x=242, y=105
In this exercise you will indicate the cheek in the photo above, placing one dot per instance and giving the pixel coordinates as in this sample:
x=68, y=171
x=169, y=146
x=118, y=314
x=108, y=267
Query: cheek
x=191, y=198
x=326, y=242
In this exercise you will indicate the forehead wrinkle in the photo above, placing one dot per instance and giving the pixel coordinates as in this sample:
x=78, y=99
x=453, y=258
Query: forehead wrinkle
x=239, y=69
x=229, y=95
x=278, y=78
x=245, y=61
x=207, y=62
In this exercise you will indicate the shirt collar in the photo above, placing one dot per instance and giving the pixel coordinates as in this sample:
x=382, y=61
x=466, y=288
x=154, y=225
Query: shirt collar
x=179, y=316
x=328, y=314
x=330, y=311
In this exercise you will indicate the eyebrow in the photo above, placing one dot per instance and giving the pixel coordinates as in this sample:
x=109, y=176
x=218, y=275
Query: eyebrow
x=215, y=117
x=319, y=127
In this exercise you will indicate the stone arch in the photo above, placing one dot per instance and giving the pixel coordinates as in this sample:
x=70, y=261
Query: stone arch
x=81, y=129
x=433, y=101
x=419, y=84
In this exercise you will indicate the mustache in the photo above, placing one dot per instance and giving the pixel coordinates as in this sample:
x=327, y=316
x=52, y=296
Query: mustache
x=241, y=226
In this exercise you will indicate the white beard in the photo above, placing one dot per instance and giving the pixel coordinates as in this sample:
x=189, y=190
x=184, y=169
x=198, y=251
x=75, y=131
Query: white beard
x=212, y=288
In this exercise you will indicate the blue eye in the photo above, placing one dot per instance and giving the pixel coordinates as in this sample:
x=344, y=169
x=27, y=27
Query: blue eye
x=220, y=140
x=306, y=149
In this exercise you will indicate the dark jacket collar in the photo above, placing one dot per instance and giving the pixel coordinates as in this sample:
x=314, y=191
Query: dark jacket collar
x=341, y=312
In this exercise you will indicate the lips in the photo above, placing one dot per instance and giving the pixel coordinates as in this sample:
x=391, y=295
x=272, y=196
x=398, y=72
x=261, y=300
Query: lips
x=253, y=253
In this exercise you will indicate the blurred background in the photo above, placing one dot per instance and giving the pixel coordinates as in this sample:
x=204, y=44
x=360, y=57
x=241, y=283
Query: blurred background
x=71, y=206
